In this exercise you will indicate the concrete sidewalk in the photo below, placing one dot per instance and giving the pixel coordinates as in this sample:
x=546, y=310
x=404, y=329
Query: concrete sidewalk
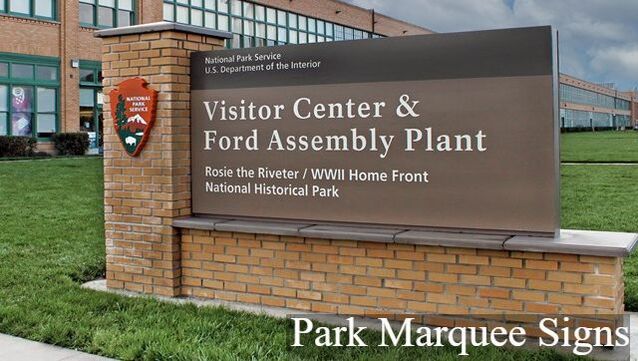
x=18, y=349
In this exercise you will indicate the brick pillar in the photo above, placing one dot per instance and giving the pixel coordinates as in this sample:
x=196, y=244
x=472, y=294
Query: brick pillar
x=150, y=11
x=69, y=82
x=143, y=195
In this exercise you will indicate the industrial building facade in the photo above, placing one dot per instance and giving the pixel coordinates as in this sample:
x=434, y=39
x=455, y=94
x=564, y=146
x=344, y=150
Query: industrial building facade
x=585, y=105
x=50, y=69
x=50, y=62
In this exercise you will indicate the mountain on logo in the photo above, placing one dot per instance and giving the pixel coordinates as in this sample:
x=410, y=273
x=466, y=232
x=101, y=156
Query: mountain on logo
x=135, y=124
x=137, y=119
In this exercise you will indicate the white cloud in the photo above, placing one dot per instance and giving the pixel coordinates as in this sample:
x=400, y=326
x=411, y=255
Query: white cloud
x=437, y=14
x=598, y=38
x=617, y=62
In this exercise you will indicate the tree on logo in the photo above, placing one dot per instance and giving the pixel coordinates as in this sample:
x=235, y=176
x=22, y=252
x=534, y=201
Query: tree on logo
x=120, y=112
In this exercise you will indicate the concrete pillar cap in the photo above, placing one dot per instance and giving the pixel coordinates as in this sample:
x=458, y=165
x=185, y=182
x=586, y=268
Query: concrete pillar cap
x=162, y=26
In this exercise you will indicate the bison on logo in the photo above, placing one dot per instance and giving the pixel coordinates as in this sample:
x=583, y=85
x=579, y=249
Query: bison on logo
x=133, y=111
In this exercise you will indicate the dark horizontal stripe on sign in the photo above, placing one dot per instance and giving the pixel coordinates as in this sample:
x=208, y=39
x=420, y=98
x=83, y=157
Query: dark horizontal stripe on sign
x=484, y=54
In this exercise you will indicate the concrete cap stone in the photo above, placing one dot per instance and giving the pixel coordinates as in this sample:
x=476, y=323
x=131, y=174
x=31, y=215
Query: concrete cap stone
x=201, y=223
x=273, y=228
x=162, y=26
x=351, y=233
x=593, y=243
x=449, y=239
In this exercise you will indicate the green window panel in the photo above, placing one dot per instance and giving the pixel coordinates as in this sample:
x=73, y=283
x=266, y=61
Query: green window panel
x=38, y=9
x=29, y=95
x=257, y=25
x=584, y=119
x=576, y=95
x=107, y=13
x=90, y=73
x=91, y=99
x=4, y=109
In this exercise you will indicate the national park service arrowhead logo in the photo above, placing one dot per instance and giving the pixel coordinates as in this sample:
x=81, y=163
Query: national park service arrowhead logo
x=133, y=111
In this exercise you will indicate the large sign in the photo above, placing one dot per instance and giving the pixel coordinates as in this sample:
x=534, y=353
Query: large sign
x=448, y=131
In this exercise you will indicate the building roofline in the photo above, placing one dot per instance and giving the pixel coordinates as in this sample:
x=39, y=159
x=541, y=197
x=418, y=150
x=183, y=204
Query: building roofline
x=382, y=14
x=405, y=22
x=620, y=93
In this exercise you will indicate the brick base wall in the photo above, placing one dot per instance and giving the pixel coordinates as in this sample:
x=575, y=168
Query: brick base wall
x=365, y=278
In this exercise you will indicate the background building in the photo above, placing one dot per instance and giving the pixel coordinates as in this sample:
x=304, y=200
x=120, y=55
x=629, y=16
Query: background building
x=50, y=70
x=586, y=105
x=634, y=106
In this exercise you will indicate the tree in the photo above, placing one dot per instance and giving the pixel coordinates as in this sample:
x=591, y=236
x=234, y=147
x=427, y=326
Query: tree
x=120, y=112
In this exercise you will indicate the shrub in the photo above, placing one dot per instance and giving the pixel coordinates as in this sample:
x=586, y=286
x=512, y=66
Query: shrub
x=17, y=146
x=71, y=143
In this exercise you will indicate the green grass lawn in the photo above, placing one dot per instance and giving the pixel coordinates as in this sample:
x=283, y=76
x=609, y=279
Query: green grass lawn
x=605, y=198
x=608, y=146
x=51, y=240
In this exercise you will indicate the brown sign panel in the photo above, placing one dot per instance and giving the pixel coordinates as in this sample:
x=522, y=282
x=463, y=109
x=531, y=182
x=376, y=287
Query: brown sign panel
x=446, y=131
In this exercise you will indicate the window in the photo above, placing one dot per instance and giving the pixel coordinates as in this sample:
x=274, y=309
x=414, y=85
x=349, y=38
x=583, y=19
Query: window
x=22, y=71
x=87, y=15
x=42, y=9
x=584, y=119
x=222, y=6
x=20, y=7
x=573, y=94
x=46, y=116
x=49, y=73
x=29, y=91
x=236, y=7
x=87, y=110
x=169, y=14
x=182, y=15
x=4, y=109
x=90, y=73
x=197, y=17
x=21, y=110
x=107, y=13
x=257, y=25
x=91, y=98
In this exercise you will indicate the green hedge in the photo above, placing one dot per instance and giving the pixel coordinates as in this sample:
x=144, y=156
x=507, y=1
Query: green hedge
x=17, y=146
x=71, y=143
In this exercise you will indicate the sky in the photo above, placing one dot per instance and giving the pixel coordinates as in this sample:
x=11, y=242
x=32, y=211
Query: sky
x=598, y=38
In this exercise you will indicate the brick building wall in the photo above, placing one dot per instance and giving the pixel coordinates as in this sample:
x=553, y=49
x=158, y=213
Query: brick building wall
x=67, y=40
x=150, y=11
x=29, y=36
x=565, y=104
x=350, y=15
x=69, y=76
x=634, y=106
x=39, y=38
